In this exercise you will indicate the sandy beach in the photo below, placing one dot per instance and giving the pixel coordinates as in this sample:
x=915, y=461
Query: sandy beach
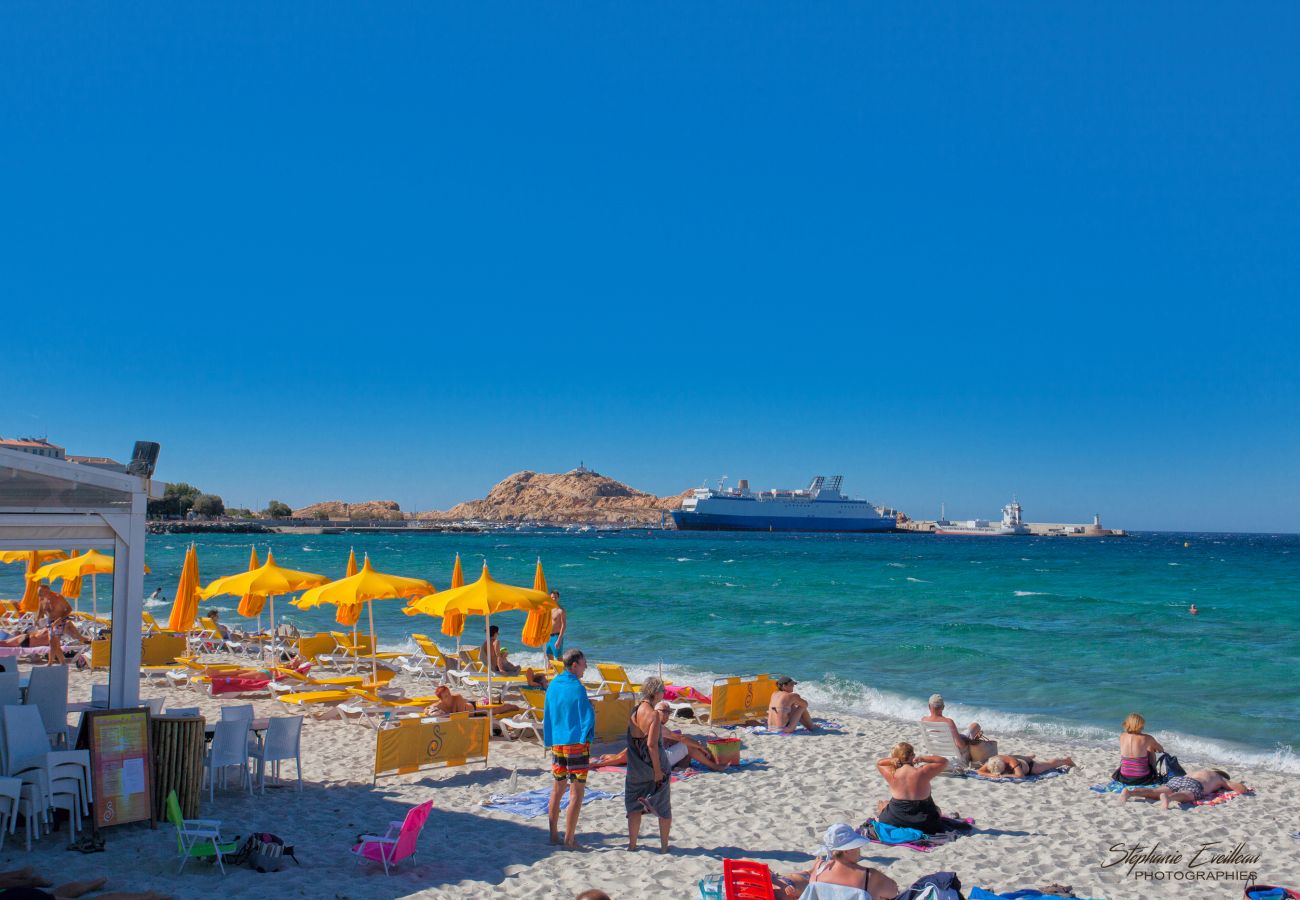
x=1026, y=835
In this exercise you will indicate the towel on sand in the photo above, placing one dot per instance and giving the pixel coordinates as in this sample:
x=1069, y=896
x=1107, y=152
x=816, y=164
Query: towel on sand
x=695, y=769
x=1213, y=800
x=924, y=845
x=531, y=804
x=978, y=893
x=824, y=726
x=1051, y=773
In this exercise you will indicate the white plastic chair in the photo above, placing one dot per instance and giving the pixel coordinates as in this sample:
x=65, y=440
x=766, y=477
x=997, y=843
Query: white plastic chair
x=73, y=764
x=242, y=712
x=282, y=743
x=63, y=791
x=183, y=711
x=939, y=741
x=48, y=692
x=229, y=748
x=99, y=696
x=26, y=747
x=11, y=789
x=155, y=705
x=9, y=693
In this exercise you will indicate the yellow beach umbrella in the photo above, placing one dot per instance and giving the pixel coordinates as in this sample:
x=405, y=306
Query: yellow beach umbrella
x=185, y=607
x=365, y=587
x=538, y=626
x=34, y=560
x=348, y=615
x=482, y=598
x=250, y=605
x=453, y=624
x=71, y=587
x=91, y=563
x=269, y=580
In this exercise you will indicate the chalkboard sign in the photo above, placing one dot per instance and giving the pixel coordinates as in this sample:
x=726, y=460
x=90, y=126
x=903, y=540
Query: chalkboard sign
x=121, y=765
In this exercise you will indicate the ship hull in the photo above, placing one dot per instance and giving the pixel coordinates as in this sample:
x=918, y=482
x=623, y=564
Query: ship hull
x=972, y=533
x=697, y=521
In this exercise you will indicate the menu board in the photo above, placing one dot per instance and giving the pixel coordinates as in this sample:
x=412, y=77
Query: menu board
x=121, y=765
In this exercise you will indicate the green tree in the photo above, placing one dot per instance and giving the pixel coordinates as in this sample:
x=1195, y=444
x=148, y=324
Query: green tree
x=240, y=512
x=177, y=500
x=209, y=505
x=277, y=510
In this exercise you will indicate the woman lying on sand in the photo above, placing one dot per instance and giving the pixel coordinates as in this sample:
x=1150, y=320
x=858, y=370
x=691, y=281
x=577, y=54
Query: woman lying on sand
x=1010, y=766
x=909, y=776
x=838, y=864
x=1187, y=788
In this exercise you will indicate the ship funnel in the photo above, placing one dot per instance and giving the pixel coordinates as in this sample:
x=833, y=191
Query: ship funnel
x=743, y=484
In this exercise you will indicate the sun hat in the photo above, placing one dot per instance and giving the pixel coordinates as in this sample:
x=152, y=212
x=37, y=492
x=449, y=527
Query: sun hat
x=842, y=836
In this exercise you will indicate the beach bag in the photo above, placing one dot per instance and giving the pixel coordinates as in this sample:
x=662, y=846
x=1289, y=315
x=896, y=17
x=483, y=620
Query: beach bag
x=938, y=886
x=264, y=852
x=1167, y=766
x=724, y=750
x=711, y=888
x=1269, y=892
x=982, y=751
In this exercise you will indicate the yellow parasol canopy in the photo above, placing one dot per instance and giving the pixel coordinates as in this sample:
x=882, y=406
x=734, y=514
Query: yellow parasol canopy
x=186, y=605
x=91, y=563
x=365, y=587
x=348, y=615
x=22, y=556
x=250, y=605
x=537, y=628
x=269, y=579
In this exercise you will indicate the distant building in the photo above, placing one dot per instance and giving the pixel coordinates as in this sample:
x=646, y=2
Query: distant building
x=99, y=462
x=35, y=446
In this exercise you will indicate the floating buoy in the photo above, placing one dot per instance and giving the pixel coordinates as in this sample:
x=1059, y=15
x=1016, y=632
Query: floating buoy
x=1186, y=545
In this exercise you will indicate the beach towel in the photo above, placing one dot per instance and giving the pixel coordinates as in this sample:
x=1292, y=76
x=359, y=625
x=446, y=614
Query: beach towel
x=1215, y=799
x=694, y=769
x=685, y=694
x=925, y=844
x=824, y=726
x=978, y=893
x=1053, y=773
x=238, y=684
x=532, y=804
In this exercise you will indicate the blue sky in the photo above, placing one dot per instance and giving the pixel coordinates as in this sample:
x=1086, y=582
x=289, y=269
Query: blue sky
x=323, y=250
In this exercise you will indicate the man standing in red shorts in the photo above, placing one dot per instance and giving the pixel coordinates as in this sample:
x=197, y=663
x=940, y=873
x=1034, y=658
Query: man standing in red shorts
x=568, y=727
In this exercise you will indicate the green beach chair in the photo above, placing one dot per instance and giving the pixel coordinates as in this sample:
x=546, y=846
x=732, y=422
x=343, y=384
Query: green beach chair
x=198, y=838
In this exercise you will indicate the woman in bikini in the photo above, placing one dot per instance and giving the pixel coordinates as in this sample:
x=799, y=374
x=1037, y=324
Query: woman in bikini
x=1012, y=766
x=838, y=871
x=1137, y=751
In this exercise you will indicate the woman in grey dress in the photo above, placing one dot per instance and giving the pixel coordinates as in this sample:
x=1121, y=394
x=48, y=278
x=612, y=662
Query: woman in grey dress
x=647, y=787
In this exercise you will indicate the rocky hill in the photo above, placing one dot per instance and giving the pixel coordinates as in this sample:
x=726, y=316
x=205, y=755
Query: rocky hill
x=580, y=496
x=337, y=509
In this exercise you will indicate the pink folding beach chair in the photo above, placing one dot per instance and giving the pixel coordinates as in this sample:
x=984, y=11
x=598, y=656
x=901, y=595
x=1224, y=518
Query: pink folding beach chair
x=391, y=848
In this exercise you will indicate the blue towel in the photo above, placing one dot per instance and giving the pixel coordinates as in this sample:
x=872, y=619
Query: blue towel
x=894, y=834
x=1049, y=774
x=1116, y=786
x=531, y=804
x=738, y=765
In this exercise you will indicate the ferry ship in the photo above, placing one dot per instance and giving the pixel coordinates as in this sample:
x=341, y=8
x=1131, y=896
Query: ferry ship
x=1012, y=524
x=819, y=507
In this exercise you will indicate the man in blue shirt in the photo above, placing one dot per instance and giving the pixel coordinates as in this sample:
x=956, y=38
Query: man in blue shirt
x=568, y=727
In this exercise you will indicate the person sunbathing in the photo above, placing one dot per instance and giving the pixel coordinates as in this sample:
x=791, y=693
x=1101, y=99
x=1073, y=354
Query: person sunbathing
x=1191, y=788
x=27, y=883
x=1137, y=753
x=448, y=703
x=963, y=741
x=682, y=748
x=1011, y=766
x=786, y=711
x=838, y=864
x=909, y=776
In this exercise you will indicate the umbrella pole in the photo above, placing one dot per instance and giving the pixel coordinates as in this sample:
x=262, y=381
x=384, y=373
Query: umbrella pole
x=272, y=641
x=374, y=665
x=94, y=597
x=487, y=633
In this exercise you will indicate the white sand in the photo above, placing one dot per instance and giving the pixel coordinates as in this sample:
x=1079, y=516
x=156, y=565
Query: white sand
x=1027, y=835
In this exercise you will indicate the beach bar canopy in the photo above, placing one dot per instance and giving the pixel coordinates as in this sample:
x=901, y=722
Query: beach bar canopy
x=46, y=502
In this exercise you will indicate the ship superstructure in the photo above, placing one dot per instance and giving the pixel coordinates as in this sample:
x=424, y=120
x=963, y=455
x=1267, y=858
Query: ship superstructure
x=819, y=507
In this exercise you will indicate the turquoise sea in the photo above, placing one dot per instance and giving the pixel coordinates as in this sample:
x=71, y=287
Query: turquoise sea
x=1044, y=635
